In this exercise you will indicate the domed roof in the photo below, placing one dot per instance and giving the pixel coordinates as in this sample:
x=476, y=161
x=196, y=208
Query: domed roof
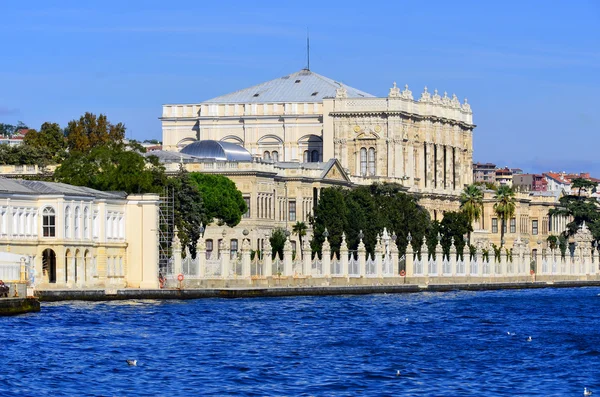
x=217, y=150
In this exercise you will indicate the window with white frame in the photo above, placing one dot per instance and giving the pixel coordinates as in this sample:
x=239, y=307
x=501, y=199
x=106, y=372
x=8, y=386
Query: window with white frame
x=371, y=162
x=76, y=227
x=363, y=161
x=86, y=223
x=68, y=222
x=48, y=222
x=95, y=225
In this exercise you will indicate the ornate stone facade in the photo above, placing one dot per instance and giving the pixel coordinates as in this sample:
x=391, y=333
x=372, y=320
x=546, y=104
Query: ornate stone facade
x=424, y=144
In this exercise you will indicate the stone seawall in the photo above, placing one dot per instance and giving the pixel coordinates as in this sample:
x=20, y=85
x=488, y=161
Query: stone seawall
x=12, y=306
x=123, y=294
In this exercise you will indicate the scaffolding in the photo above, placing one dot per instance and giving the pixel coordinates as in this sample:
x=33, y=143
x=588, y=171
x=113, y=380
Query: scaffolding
x=166, y=219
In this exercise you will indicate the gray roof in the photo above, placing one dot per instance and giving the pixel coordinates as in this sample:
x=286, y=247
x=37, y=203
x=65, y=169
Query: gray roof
x=53, y=188
x=217, y=150
x=302, y=86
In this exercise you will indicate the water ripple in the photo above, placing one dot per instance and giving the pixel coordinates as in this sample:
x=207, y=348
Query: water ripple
x=443, y=344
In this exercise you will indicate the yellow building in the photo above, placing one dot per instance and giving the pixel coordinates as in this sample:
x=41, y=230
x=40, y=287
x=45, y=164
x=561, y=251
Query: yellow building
x=70, y=236
x=531, y=222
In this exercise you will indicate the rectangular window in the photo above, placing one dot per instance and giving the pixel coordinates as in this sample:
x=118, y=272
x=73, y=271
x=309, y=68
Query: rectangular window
x=513, y=225
x=219, y=241
x=209, y=248
x=233, y=248
x=534, y=227
x=49, y=225
x=247, y=213
x=494, y=225
x=292, y=210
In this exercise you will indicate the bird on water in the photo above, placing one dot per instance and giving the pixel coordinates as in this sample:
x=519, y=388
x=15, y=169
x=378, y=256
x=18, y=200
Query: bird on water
x=529, y=339
x=587, y=392
x=133, y=363
x=398, y=373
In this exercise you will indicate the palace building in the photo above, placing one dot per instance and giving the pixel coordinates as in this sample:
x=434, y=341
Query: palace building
x=425, y=144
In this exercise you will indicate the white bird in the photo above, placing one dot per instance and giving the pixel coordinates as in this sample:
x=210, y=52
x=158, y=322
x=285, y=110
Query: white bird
x=529, y=339
x=398, y=373
x=587, y=392
x=133, y=363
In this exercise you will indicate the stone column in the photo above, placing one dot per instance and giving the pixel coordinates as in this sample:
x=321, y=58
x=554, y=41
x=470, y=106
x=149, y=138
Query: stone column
x=467, y=259
x=379, y=258
x=268, y=258
x=177, y=261
x=225, y=265
x=326, y=259
x=287, y=258
x=409, y=261
x=595, y=269
x=431, y=166
x=362, y=259
x=425, y=259
x=307, y=258
x=201, y=257
x=410, y=164
x=246, y=261
x=479, y=259
x=394, y=254
x=452, y=259
x=439, y=259
x=503, y=263
x=526, y=260
x=399, y=171
x=344, y=256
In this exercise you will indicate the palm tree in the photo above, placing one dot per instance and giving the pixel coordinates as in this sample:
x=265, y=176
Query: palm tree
x=299, y=228
x=504, y=207
x=471, y=203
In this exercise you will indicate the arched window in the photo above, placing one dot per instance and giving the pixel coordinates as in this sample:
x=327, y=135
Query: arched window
x=306, y=157
x=314, y=156
x=275, y=156
x=48, y=222
x=267, y=156
x=86, y=223
x=68, y=222
x=77, y=222
x=363, y=161
x=371, y=162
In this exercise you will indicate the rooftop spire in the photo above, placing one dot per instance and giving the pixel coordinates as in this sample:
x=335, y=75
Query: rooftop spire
x=307, y=50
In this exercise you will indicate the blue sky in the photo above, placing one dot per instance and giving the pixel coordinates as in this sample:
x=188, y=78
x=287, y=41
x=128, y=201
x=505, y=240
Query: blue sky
x=530, y=69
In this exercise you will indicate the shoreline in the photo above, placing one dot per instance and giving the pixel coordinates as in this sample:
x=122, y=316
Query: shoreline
x=261, y=292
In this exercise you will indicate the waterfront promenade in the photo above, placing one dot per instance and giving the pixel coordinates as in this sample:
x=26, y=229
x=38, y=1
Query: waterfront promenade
x=283, y=290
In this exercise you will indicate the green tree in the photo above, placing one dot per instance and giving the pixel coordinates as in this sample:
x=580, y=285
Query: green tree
x=504, y=207
x=189, y=209
x=453, y=227
x=92, y=131
x=112, y=168
x=222, y=200
x=552, y=242
x=369, y=209
x=471, y=203
x=299, y=229
x=579, y=208
x=50, y=138
x=277, y=240
x=330, y=213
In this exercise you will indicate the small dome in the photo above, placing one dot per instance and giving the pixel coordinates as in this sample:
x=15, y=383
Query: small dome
x=217, y=150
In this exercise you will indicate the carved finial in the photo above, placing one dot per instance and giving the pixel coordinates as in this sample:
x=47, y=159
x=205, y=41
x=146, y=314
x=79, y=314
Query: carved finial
x=341, y=92
x=436, y=98
x=425, y=96
x=466, y=107
x=407, y=94
x=394, y=91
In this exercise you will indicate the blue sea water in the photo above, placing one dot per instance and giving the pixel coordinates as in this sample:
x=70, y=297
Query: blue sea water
x=443, y=344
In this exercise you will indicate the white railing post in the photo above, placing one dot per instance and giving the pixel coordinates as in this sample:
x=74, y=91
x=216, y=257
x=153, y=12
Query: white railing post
x=288, y=270
x=268, y=258
x=344, y=256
